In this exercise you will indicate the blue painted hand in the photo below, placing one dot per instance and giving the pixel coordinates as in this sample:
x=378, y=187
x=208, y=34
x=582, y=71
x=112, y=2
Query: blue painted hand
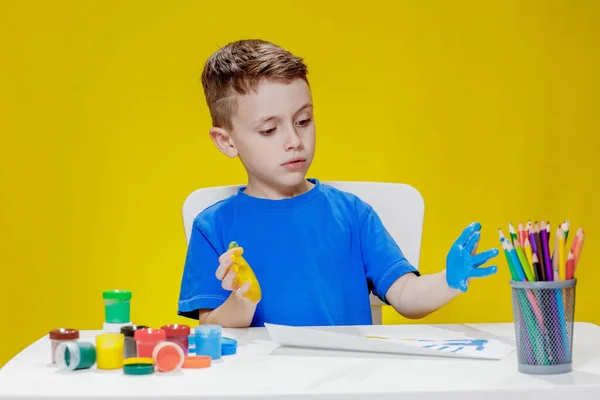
x=462, y=263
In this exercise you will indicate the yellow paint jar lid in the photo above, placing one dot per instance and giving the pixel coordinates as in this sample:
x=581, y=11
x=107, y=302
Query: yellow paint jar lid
x=138, y=360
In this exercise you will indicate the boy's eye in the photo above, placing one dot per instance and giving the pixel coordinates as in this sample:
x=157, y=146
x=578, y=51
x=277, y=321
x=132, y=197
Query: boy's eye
x=267, y=132
x=304, y=122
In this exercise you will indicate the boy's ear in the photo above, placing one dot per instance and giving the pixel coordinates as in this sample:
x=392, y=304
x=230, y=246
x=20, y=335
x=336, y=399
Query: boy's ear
x=223, y=141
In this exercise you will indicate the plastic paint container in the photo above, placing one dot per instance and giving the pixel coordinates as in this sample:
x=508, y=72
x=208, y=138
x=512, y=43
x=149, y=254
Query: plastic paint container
x=57, y=336
x=168, y=356
x=71, y=356
x=130, y=349
x=147, y=339
x=208, y=341
x=197, y=362
x=228, y=346
x=191, y=344
x=117, y=306
x=138, y=366
x=179, y=335
x=109, y=350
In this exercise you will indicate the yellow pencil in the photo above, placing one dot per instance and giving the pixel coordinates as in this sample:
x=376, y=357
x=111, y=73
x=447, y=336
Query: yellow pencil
x=528, y=251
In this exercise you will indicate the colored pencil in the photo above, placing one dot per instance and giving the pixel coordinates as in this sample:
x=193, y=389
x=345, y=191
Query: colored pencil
x=565, y=227
x=561, y=253
x=504, y=243
x=535, y=263
x=523, y=260
x=570, y=273
x=577, y=248
x=555, y=263
x=521, y=233
x=528, y=253
x=515, y=261
x=539, y=250
x=512, y=233
x=546, y=251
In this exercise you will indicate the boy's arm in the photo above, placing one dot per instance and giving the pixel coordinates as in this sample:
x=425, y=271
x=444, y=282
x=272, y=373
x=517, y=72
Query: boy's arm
x=235, y=312
x=417, y=296
x=207, y=287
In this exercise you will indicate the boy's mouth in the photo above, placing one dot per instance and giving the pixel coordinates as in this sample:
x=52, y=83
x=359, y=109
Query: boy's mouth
x=295, y=163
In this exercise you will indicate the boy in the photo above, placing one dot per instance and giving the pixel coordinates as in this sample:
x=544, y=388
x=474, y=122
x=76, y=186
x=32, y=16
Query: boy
x=317, y=252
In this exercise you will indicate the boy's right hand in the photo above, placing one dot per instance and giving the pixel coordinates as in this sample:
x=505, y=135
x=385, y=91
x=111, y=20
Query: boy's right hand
x=227, y=275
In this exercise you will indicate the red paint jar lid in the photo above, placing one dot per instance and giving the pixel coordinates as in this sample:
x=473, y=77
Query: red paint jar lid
x=176, y=330
x=150, y=334
x=64, y=334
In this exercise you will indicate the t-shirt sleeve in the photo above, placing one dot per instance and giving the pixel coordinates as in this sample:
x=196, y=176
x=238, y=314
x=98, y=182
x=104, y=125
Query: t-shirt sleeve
x=200, y=288
x=382, y=257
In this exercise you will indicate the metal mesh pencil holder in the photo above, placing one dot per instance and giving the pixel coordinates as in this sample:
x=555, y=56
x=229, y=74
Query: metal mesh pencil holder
x=543, y=315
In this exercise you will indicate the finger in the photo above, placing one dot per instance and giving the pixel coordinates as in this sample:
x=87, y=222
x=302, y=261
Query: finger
x=483, y=272
x=228, y=282
x=223, y=268
x=227, y=255
x=482, y=258
x=243, y=289
x=467, y=232
x=472, y=243
x=462, y=286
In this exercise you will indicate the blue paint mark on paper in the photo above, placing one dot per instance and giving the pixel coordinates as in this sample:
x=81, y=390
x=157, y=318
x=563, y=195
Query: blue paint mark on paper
x=456, y=345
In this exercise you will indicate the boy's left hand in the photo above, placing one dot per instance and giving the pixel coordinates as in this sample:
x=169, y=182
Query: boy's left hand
x=462, y=263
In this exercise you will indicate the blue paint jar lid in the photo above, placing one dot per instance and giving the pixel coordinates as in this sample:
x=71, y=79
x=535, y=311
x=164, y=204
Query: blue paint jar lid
x=228, y=346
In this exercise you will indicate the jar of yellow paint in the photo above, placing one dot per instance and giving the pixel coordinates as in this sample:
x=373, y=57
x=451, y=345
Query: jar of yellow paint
x=110, y=350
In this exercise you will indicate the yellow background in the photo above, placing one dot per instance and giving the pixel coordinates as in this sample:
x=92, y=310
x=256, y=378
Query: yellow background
x=489, y=108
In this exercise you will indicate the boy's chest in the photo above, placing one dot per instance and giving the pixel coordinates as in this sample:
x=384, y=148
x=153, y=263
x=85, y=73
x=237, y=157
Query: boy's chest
x=294, y=246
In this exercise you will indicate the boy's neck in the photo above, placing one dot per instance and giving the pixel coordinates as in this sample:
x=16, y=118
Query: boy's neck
x=272, y=192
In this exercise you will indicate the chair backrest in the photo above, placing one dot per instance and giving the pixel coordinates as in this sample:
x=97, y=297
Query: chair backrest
x=400, y=207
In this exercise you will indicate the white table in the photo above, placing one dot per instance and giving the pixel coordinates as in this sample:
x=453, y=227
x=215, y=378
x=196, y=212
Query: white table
x=262, y=370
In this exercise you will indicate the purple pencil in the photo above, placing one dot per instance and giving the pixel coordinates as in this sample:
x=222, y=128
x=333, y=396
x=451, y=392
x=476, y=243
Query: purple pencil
x=546, y=251
x=532, y=242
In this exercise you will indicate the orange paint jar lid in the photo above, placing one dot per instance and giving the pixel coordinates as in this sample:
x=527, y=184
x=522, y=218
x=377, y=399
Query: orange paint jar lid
x=197, y=362
x=168, y=356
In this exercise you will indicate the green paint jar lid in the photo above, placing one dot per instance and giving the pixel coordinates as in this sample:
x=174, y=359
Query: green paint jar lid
x=116, y=294
x=138, y=369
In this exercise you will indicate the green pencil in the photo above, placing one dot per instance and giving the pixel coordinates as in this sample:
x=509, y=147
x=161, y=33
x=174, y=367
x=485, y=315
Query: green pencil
x=513, y=233
x=524, y=263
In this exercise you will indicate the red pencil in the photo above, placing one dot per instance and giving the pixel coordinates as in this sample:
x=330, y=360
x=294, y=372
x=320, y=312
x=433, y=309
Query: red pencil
x=570, y=266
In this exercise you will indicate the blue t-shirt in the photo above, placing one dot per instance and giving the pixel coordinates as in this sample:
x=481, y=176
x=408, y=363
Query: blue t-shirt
x=316, y=256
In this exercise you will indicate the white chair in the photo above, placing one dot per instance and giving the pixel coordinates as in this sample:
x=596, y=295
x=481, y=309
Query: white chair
x=400, y=207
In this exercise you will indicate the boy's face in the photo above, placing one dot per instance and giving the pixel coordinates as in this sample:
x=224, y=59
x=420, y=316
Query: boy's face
x=274, y=134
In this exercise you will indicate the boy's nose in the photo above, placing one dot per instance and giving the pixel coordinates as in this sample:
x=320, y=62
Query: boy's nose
x=293, y=140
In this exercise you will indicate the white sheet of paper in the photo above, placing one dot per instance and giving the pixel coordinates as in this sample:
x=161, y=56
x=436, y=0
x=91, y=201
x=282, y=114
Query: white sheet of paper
x=460, y=347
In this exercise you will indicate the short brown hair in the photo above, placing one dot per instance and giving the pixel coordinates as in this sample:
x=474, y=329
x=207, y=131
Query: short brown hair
x=238, y=68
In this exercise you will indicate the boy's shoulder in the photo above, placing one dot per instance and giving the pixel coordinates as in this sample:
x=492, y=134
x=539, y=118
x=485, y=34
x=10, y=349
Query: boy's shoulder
x=214, y=214
x=344, y=198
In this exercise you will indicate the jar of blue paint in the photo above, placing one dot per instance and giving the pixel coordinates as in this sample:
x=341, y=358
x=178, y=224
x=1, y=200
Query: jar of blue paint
x=207, y=339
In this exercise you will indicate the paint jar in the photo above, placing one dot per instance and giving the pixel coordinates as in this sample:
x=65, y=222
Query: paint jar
x=71, y=356
x=109, y=350
x=57, y=336
x=130, y=345
x=208, y=341
x=179, y=335
x=116, y=306
x=168, y=356
x=147, y=339
x=191, y=344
